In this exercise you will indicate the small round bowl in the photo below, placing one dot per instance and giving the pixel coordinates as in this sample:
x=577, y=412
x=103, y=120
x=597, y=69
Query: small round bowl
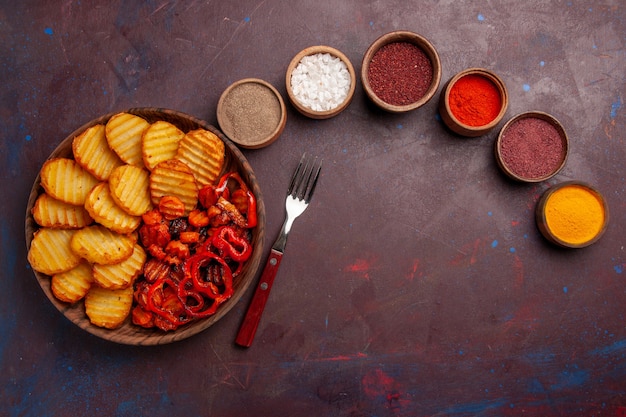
x=458, y=126
x=305, y=109
x=252, y=113
x=129, y=333
x=401, y=37
x=579, y=222
x=531, y=147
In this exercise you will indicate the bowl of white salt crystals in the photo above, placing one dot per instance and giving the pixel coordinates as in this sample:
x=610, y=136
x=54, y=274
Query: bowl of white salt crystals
x=320, y=82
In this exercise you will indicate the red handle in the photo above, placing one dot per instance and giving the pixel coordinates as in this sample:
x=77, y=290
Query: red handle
x=257, y=305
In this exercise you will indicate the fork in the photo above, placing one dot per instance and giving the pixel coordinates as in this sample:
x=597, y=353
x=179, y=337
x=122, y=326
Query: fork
x=299, y=195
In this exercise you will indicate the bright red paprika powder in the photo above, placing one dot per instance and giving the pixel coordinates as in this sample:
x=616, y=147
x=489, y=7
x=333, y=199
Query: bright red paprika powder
x=475, y=100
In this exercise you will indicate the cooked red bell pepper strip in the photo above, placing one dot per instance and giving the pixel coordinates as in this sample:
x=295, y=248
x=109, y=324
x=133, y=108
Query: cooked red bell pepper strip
x=199, y=309
x=171, y=317
x=222, y=190
x=207, y=196
x=207, y=288
x=231, y=245
x=186, y=291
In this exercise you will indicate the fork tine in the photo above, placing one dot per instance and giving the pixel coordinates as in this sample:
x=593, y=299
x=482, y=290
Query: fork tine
x=312, y=180
x=304, y=178
x=296, y=177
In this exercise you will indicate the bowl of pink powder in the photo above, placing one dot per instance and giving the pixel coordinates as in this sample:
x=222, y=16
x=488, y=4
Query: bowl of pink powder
x=401, y=71
x=532, y=147
x=320, y=82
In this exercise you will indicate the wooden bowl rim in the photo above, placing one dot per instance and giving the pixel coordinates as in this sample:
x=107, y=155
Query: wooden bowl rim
x=538, y=115
x=320, y=49
x=402, y=36
x=128, y=333
x=540, y=214
x=464, y=129
x=271, y=138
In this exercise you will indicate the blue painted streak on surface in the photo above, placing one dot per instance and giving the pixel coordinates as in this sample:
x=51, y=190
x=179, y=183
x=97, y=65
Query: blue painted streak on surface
x=615, y=107
x=27, y=405
x=615, y=348
x=569, y=379
x=475, y=408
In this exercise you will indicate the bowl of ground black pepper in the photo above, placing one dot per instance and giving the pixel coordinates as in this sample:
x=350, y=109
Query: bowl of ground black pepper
x=473, y=102
x=400, y=71
x=532, y=147
x=252, y=113
x=320, y=82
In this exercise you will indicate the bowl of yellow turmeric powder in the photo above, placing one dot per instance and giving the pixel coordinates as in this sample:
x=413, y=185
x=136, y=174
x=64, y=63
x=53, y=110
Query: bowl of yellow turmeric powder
x=572, y=214
x=473, y=102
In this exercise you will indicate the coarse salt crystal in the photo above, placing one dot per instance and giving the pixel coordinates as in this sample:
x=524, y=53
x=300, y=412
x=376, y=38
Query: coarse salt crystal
x=320, y=82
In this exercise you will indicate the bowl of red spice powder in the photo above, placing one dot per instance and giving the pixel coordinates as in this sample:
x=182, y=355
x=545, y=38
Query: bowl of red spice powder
x=532, y=147
x=401, y=71
x=473, y=102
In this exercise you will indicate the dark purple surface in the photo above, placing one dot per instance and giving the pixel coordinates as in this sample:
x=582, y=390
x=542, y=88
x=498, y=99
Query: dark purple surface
x=416, y=284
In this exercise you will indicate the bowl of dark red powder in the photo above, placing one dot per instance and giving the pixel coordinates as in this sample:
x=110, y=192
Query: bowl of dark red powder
x=473, y=102
x=400, y=71
x=532, y=147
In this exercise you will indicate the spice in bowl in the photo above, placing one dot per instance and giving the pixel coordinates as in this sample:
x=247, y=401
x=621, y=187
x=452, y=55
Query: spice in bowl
x=320, y=82
x=251, y=113
x=400, y=71
x=473, y=102
x=572, y=214
x=532, y=147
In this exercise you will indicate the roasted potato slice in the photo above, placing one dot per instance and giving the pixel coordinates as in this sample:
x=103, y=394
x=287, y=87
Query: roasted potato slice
x=122, y=274
x=50, y=212
x=123, y=133
x=130, y=188
x=160, y=143
x=174, y=178
x=71, y=286
x=99, y=245
x=93, y=153
x=203, y=153
x=108, y=308
x=65, y=180
x=50, y=251
x=103, y=209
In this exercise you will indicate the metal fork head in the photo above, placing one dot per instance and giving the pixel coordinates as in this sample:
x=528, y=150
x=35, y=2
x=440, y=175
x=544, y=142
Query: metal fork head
x=305, y=178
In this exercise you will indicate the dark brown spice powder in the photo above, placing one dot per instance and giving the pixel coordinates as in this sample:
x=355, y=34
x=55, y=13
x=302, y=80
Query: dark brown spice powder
x=532, y=148
x=400, y=73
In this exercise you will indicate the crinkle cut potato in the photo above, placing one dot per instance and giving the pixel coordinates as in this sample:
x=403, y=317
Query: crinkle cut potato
x=63, y=208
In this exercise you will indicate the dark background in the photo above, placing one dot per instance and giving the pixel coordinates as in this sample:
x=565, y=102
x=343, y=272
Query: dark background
x=416, y=284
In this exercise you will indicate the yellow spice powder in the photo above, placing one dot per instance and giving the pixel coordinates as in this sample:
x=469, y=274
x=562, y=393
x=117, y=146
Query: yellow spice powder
x=574, y=214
